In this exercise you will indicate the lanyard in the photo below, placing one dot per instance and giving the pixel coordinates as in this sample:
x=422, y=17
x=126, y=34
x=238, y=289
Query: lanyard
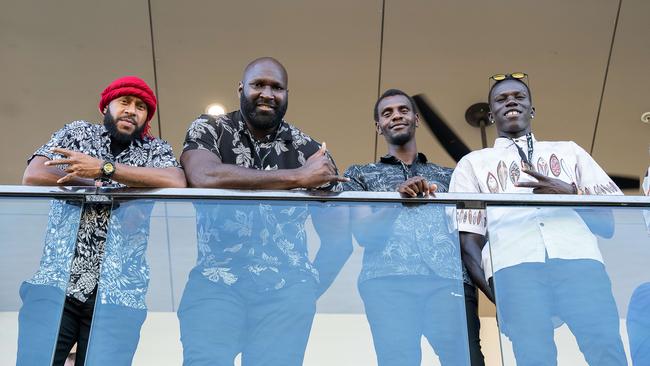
x=527, y=160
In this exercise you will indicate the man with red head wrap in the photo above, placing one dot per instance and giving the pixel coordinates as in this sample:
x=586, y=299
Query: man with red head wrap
x=118, y=153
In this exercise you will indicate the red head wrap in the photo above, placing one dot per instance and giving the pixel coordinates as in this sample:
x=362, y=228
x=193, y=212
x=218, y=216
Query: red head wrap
x=131, y=85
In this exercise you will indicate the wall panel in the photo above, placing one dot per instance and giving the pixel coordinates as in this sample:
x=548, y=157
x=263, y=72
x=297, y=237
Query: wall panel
x=55, y=60
x=330, y=50
x=622, y=140
x=448, y=50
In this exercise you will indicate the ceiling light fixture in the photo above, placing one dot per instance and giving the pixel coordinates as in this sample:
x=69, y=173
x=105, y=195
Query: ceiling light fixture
x=215, y=109
x=645, y=117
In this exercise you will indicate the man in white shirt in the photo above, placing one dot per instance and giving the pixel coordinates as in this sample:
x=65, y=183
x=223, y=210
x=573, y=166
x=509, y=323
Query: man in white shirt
x=545, y=261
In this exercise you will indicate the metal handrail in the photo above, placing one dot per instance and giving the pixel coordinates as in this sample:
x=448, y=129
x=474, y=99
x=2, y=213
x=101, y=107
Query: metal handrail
x=462, y=200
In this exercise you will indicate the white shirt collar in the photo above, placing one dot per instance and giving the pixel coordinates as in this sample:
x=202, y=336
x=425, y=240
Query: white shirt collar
x=504, y=142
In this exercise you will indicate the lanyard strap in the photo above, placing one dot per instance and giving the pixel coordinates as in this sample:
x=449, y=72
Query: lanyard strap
x=527, y=160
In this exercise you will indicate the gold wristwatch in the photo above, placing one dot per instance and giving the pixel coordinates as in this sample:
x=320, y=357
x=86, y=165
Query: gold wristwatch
x=108, y=168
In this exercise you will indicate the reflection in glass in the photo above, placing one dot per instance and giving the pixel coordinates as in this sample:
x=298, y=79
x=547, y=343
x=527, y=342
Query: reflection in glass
x=548, y=270
x=43, y=294
x=254, y=289
x=120, y=308
x=638, y=325
x=411, y=281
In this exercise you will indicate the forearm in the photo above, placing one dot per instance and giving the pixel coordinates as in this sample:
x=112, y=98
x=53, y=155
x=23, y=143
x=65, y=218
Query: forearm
x=235, y=177
x=600, y=220
x=132, y=176
x=375, y=227
x=51, y=180
x=477, y=275
x=331, y=257
x=37, y=174
x=471, y=246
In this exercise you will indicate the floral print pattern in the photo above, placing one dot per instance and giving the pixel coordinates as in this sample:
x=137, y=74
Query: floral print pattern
x=261, y=242
x=126, y=271
x=420, y=241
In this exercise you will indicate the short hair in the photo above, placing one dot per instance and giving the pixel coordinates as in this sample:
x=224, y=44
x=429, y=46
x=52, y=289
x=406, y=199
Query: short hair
x=392, y=93
x=509, y=77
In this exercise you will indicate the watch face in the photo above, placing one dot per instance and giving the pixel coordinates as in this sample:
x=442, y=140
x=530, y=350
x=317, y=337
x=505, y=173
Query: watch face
x=108, y=168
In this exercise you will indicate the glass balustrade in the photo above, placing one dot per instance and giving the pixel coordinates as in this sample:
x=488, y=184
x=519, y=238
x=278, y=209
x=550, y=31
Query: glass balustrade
x=38, y=244
x=572, y=284
x=345, y=279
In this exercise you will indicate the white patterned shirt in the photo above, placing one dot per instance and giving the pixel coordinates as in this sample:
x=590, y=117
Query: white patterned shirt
x=529, y=234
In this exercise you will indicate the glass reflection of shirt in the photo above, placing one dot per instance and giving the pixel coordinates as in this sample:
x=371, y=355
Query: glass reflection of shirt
x=76, y=269
x=420, y=242
x=265, y=242
x=528, y=234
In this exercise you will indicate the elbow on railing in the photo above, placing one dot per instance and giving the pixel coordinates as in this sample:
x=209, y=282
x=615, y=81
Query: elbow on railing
x=198, y=181
x=31, y=179
x=178, y=182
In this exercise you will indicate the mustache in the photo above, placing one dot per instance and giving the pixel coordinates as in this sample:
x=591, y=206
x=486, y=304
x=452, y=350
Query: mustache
x=127, y=118
x=272, y=104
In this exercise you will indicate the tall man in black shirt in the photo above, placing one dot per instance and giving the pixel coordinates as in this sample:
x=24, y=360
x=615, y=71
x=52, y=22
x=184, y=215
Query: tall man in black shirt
x=411, y=281
x=254, y=289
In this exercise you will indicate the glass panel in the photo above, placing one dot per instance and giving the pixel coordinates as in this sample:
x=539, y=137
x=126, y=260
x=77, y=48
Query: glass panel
x=38, y=241
x=241, y=276
x=572, y=284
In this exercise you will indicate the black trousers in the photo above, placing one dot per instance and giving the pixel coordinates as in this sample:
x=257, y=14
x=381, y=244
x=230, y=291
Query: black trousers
x=75, y=328
x=47, y=323
x=473, y=326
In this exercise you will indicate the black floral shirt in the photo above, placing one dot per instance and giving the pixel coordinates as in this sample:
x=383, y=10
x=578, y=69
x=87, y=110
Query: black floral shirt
x=422, y=239
x=83, y=263
x=261, y=242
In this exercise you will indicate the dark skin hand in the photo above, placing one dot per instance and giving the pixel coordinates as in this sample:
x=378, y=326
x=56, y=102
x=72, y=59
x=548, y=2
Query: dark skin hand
x=599, y=220
x=82, y=169
x=416, y=186
x=471, y=245
x=546, y=185
x=38, y=173
x=205, y=170
x=79, y=164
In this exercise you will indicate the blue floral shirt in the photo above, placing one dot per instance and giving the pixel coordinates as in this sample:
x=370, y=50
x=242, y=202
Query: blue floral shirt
x=74, y=265
x=421, y=239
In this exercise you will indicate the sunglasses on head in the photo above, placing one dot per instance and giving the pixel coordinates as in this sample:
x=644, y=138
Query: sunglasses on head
x=497, y=78
x=514, y=75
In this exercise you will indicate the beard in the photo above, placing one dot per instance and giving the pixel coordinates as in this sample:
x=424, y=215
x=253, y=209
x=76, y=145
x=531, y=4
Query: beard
x=119, y=137
x=265, y=120
x=400, y=138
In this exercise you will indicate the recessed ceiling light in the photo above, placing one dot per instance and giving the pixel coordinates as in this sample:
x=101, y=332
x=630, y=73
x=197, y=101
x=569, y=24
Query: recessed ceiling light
x=215, y=109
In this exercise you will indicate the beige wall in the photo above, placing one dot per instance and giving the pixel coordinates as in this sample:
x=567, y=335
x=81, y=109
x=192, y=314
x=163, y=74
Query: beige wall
x=55, y=58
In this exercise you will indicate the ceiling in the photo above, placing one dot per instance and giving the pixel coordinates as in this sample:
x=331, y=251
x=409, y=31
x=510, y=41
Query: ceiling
x=590, y=74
